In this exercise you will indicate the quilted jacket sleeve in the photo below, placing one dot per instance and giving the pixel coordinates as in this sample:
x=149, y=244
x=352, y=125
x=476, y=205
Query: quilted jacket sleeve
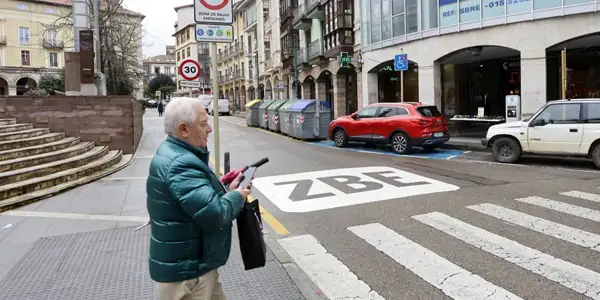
x=193, y=189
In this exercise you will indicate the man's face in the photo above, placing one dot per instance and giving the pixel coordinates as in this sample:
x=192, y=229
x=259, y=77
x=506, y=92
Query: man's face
x=196, y=134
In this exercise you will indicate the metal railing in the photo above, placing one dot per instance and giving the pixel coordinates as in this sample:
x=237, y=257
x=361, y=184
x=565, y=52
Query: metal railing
x=53, y=43
x=315, y=49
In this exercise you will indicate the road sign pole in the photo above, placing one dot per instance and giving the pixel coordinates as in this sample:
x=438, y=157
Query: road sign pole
x=401, y=86
x=215, y=103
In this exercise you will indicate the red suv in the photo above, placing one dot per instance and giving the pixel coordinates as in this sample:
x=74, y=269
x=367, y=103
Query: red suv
x=403, y=125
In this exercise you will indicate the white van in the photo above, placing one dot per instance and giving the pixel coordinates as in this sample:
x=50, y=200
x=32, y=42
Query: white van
x=223, y=107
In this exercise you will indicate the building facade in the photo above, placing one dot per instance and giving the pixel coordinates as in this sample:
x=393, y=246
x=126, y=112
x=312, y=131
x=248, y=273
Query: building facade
x=466, y=56
x=325, y=30
x=161, y=64
x=232, y=63
x=186, y=47
x=29, y=45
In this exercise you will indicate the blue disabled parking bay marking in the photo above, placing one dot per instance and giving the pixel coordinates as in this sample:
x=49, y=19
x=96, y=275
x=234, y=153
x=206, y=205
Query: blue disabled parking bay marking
x=436, y=154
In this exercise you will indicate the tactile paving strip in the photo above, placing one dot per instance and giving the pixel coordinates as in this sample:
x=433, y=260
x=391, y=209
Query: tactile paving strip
x=113, y=264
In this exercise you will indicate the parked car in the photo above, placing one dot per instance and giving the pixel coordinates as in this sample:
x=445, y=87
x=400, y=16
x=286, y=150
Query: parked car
x=403, y=125
x=151, y=103
x=223, y=107
x=562, y=127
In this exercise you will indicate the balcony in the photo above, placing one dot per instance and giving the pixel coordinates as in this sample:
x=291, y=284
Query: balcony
x=301, y=22
x=268, y=65
x=49, y=43
x=269, y=24
x=2, y=40
x=302, y=59
x=315, y=52
x=346, y=44
x=250, y=24
x=287, y=14
x=238, y=75
x=314, y=10
x=203, y=53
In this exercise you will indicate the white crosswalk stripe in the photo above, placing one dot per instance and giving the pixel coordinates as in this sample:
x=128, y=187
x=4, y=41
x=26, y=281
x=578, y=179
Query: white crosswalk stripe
x=327, y=272
x=453, y=280
x=578, y=211
x=582, y=195
x=559, y=231
x=337, y=281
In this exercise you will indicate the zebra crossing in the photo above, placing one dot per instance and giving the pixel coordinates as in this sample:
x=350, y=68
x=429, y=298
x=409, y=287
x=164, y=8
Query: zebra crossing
x=337, y=281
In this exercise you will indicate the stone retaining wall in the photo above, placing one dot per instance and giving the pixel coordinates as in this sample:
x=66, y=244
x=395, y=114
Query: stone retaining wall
x=113, y=121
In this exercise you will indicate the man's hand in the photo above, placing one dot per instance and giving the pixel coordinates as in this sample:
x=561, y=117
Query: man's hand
x=231, y=176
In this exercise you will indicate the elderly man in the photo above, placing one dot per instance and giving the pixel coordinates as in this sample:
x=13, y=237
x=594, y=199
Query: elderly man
x=191, y=212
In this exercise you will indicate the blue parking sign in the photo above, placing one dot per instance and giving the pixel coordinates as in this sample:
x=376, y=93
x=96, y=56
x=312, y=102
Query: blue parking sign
x=401, y=62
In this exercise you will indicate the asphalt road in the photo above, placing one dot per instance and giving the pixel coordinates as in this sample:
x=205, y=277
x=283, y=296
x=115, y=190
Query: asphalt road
x=367, y=224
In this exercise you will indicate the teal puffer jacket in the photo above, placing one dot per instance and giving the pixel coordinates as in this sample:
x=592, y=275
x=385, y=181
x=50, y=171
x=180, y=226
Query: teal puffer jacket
x=191, y=213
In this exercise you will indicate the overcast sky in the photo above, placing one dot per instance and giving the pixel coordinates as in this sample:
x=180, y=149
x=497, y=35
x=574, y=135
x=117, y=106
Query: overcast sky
x=158, y=24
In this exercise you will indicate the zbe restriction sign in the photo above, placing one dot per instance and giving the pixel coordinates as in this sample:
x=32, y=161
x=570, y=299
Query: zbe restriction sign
x=213, y=11
x=189, y=69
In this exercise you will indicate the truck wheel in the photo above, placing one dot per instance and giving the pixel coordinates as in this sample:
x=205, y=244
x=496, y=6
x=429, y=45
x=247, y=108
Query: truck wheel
x=596, y=156
x=401, y=143
x=340, y=138
x=506, y=150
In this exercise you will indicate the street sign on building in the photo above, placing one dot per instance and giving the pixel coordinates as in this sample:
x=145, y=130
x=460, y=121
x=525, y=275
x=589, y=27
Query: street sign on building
x=214, y=33
x=189, y=69
x=344, y=59
x=191, y=84
x=401, y=62
x=213, y=11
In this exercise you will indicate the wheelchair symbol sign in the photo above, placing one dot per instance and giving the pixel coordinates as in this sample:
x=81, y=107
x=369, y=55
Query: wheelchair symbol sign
x=401, y=62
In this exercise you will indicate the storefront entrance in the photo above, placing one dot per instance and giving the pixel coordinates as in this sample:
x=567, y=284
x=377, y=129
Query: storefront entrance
x=475, y=83
x=389, y=84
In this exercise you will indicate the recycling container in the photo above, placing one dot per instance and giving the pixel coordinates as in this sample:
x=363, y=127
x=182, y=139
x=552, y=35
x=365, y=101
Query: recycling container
x=252, y=115
x=263, y=117
x=285, y=117
x=304, y=124
x=273, y=112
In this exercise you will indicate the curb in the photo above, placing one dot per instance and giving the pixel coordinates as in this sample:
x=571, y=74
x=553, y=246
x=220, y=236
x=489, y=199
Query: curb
x=466, y=147
x=305, y=285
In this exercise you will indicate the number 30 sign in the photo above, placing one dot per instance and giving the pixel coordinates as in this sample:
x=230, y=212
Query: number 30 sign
x=189, y=69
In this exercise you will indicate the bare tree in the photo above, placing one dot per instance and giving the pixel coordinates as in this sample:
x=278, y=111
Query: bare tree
x=121, y=43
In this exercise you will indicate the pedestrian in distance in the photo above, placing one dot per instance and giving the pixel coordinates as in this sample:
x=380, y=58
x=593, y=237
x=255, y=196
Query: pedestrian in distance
x=160, y=108
x=191, y=211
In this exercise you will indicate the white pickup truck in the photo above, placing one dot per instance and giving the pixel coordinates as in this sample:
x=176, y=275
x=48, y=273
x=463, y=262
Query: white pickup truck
x=560, y=128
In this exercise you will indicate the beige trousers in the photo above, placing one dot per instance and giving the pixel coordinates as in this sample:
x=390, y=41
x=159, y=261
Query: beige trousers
x=205, y=287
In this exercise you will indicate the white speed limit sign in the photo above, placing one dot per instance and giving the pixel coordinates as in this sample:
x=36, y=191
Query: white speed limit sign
x=189, y=69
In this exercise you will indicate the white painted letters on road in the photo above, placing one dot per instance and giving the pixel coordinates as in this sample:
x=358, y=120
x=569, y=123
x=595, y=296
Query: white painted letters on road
x=312, y=191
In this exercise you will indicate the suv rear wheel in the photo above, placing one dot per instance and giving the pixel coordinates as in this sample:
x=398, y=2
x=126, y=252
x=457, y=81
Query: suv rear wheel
x=340, y=138
x=596, y=156
x=506, y=150
x=401, y=143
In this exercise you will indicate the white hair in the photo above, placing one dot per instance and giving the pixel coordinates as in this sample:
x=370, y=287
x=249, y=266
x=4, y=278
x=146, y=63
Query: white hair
x=181, y=109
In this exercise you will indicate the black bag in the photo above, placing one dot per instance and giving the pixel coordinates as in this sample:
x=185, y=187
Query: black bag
x=252, y=242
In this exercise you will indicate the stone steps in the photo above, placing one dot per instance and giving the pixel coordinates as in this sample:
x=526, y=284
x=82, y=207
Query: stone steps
x=35, y=163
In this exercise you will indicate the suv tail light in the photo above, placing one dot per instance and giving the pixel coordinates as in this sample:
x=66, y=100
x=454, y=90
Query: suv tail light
x=421, y=122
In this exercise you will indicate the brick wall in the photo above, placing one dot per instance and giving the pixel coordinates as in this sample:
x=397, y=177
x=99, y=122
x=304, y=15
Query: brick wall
x=114, y=121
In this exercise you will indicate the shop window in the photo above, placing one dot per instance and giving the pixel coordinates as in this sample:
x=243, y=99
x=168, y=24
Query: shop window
x=412, y=16
x=375, y=24
x=429, y=14
x=593, y=113
x=518, y=6
x=448, y=12
x=560, y=114
x=398, y=25
x=386, y=20
x=469, y=10
x=493, y=8
x=573, y=2
x=545, y=4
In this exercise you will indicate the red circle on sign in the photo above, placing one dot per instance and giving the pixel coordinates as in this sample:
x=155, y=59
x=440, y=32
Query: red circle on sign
x=214, y=7
x=187, y=61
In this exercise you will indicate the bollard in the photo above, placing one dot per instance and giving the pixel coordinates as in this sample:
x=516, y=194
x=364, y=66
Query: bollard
x=227, y=163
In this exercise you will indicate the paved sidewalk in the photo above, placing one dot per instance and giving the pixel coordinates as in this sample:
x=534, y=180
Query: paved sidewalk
x=82, y=245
